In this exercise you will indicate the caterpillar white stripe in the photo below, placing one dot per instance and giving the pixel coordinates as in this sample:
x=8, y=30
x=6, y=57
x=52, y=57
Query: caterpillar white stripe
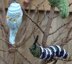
x=52, y=52
x=49, y=53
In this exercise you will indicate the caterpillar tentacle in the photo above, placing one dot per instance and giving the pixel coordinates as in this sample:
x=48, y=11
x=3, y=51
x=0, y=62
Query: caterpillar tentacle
x=62, y=5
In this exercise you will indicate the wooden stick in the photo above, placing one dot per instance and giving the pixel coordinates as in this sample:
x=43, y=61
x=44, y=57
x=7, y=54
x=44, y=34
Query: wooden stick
x=46, y=32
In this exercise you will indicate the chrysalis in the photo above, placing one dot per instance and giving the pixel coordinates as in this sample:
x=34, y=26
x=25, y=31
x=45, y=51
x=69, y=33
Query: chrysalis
x=62, y=5
x=14, y=20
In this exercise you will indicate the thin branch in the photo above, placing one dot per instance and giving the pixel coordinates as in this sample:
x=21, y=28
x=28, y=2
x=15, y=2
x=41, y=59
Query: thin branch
x=47, y=29
x=66, y=39
x=21, y=40
x=3, y=60
x=61, y=26
x=14, y=58
x=6, y=42
x=55, y=40
x=33, y=21
x=70, y=30
x=25, y=40
x=54, y=62
x=2, y=24
x=24, y=57
x=70, y=4
x=68, y=60
x=3, y=50
x=3, y=9
x=48, y=26
x=38, y=5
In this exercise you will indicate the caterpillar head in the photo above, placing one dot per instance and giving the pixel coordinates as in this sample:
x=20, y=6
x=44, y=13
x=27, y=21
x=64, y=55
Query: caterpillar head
x=35, y=49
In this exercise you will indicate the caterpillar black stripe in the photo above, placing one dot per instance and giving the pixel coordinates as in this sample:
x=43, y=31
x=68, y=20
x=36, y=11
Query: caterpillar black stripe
x=49, y=53
x=53, y=52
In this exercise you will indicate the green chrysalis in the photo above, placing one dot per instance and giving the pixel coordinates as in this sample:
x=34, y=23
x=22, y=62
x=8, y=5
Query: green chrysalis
x=62, y=5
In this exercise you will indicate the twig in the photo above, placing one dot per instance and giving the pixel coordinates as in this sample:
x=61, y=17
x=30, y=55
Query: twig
x=39, y=4
x=33, y=21
x=3, y=60
x=6, y=42
x=70, y=4
x=55, y=62
x=46, y=32
x=24, y=57
x=66, y=38
x=25, y=40
x=3, y=50
x=68, y=34
x=69, y=59
x=3, y=9
x=2, y=24
x=65, y=41
x=14, y=58
x=53, y=42
x=48, y=26
x=61, y=27
x=19, y=43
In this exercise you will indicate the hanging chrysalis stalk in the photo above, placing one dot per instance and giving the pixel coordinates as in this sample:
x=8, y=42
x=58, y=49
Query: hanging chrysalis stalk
x=48, y=53
x=14, y=19
x=62, y=5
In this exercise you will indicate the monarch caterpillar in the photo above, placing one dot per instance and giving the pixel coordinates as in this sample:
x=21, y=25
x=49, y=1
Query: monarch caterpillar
x=48, y=53
x=62, y=5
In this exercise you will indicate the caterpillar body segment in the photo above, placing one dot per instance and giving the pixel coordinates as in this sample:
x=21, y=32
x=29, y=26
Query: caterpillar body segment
x=53, y=51
x=49, y=53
